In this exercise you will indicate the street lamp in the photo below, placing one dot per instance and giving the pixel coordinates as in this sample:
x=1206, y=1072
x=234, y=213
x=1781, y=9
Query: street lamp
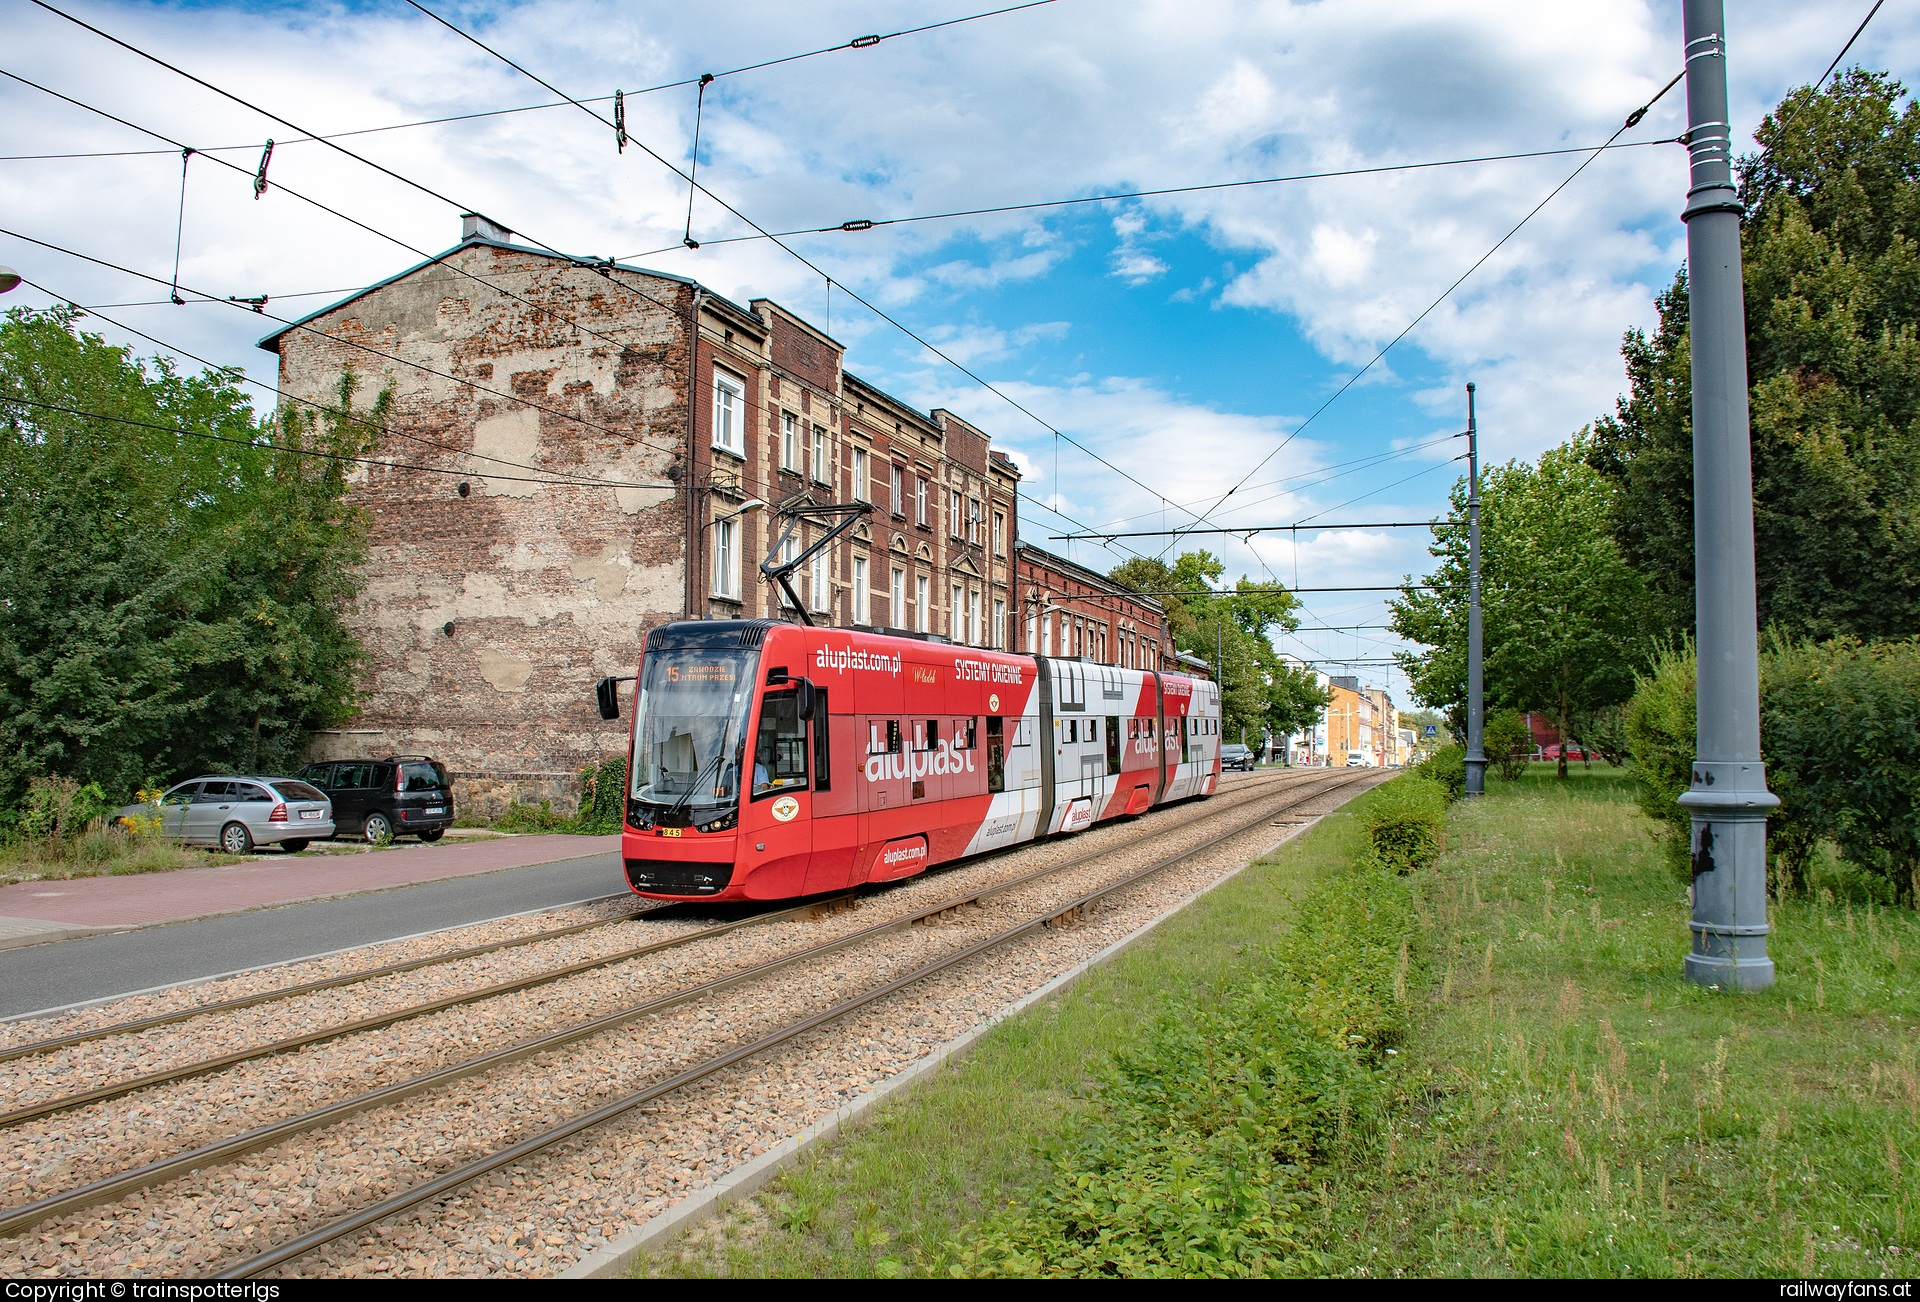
x=747, y=507
x=9, y=279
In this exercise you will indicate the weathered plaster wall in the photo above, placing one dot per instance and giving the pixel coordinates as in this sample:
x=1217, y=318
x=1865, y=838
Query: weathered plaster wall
x=546, y=585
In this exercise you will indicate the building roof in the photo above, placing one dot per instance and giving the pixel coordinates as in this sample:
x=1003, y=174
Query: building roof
x=271, y=342
x=1086, y=575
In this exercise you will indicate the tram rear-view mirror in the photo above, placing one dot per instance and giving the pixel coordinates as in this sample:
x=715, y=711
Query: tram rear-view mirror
x=607, y=693
x=805, y=698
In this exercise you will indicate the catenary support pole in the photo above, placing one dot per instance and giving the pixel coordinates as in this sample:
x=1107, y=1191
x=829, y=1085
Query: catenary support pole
x=1476, y=702
x=1728, y=797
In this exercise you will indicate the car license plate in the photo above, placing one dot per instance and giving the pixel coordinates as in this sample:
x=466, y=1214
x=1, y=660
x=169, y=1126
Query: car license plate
x=437, y=809
x=312, y=813
x=668, y=831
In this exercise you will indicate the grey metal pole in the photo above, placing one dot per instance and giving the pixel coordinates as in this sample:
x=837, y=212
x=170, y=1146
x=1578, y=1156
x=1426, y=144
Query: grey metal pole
x=1729, y=797
x=1476, y=703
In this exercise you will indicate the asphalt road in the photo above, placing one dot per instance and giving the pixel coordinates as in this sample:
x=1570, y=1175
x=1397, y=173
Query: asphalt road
x=38, y=977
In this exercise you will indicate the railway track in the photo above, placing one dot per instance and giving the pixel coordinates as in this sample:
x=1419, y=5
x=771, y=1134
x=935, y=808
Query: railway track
x=288, y=1044
x=1291, y=790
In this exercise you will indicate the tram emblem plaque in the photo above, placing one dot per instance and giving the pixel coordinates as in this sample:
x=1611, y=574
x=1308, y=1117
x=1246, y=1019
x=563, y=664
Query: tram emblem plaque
x=786, y=809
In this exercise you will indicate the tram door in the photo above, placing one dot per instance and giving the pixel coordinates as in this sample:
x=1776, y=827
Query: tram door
x=837, y=756
x=777, y=829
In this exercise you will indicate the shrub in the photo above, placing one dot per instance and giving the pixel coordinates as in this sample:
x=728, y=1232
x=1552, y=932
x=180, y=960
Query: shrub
x=530, y=818
x=1660, y=737
x=60, y=807
x=603, y=797
x=1446, y=766
x=1840, y=723
x=1194, y=1163
x=1508, y=743
x=1406, y=823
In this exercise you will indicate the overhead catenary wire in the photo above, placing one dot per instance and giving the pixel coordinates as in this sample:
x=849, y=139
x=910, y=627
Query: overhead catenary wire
x=1632, y=120
x=349, y=343
x=537, y=308
x=856, y=43
x=778, y=243
x=584, y=481
x=875, y=223
x=258, y=446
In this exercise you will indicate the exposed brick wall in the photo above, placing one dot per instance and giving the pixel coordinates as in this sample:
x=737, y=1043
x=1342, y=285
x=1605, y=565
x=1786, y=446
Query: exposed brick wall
x=546, y=586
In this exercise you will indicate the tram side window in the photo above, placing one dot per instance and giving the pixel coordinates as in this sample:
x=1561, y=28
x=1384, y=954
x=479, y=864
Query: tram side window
x=1070, y=730
x=964, y=737
x=822, y=727
x=926, y=734
x=996, y=752
x=883, y=737
x=780, y=751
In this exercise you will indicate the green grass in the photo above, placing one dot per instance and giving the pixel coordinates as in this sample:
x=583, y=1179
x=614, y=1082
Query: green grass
x=892, y=1197
x=1569, y=1105
x=1563, y=1102
x=98, y=852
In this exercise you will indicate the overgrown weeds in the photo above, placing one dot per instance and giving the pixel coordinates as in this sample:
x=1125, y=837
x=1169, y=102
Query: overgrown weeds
x=1195, y=1157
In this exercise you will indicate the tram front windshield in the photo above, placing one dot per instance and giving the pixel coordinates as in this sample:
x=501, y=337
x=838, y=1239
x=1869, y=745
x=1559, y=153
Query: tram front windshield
x=690, y=737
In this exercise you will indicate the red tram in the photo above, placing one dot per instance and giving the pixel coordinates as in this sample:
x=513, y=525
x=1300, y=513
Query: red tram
x=772, y=760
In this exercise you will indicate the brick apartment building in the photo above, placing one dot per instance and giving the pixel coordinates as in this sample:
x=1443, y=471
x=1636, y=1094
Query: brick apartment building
x=601, y=428
x=1070, y=610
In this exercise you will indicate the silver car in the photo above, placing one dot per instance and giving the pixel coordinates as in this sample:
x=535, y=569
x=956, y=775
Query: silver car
x=238, y=813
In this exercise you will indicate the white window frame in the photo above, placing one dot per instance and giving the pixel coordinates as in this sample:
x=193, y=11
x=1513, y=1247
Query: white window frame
x=897, y=482
x=820, y=586
x=999, y=533
x=1032, y=633
x=922, y=588
x=862, y=599
x=953, y=614
x=789, y=441
x=919, y=499
x=726, y=559
x=973, y=520
x=820, y=467
x=953, y=514
x=729, y=412
x=999, y=625
x=973, y=617
x=861, y=488
x=897, y=612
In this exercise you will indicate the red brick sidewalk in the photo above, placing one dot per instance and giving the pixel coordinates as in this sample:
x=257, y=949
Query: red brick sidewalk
x=143, y=899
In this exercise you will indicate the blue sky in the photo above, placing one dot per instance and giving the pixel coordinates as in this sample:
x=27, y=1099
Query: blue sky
x=1182, y=337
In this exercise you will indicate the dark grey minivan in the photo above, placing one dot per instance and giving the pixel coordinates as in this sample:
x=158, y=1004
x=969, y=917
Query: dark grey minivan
x=401, y=795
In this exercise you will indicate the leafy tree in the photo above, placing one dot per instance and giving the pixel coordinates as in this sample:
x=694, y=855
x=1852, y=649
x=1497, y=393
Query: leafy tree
x=1563, y=613
x=1260, y=692
x=172, y=601
x=1831, y=248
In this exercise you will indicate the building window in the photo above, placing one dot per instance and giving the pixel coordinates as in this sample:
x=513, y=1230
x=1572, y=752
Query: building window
x=973, y=617
x=789, y=548
x=862, y=599
x=898, y=488
x=921, y=618
x=999, y=533
x=729, y=406
x=897, y=614
x=726, y=559
x=919, y=501
x=953, y=615
x=789, y=441
x=973, y=520
x=999, y=625
x=953, y=514
x=820, y=468
x=861, y=489
x=820, y=591
x=1029, y=648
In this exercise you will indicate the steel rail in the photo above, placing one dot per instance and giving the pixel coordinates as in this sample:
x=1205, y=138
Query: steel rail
x=288, y=992
x=293, y=1248
x=224, y=1150
x=206, y=1066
